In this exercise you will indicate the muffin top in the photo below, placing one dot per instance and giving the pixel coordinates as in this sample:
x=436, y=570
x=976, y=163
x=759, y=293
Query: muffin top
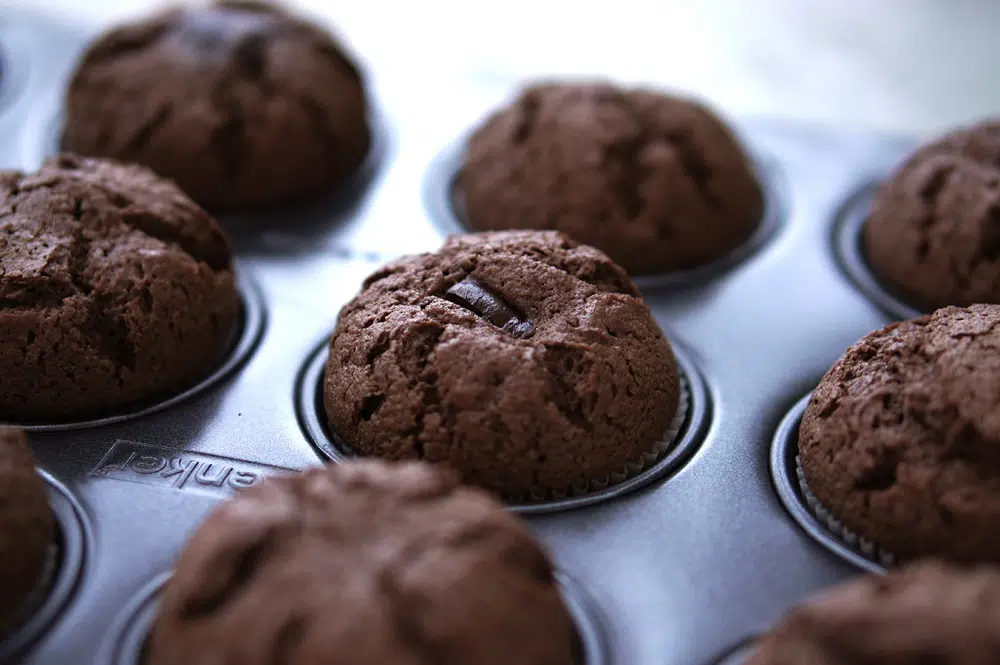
x=900, y=439
x=114, y=287
x=928, y=613
x=364, y=562
x=27, y=528
x=657, y=182
x=933, y=236
x=239, y=102
x=526, y=361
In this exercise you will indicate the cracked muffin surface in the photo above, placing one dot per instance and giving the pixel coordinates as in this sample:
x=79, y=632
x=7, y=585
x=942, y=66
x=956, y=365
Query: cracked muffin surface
x=114, y=288
x=657, y=182
x=901, y=440
x=366, y=563
x=933, y=236
x=239, y=102
x=524, y=360
x=926, y=613
x=27, y=528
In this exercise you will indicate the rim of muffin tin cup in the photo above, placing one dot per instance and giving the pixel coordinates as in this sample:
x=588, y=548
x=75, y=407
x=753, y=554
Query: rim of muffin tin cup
x=687, y=437
x=242, y=341
x=737, y=654
x=848, y=245
x=805, y=509
x=444, y=202
x=60, y=581
x=337, y=200
x=127, y=640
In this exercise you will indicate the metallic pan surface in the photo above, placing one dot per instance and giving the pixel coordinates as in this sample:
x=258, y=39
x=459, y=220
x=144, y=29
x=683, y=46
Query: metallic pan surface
x=680, y=570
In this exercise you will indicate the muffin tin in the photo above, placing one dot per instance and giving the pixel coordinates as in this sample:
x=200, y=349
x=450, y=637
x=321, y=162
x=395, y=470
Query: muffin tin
x=683, y=565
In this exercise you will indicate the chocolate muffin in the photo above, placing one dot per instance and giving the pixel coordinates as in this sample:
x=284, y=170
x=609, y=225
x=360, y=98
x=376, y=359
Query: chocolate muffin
x=239, y=102
x=114, y=288
x=899, y=441
x=927, y=613
x=27, y=528
x=657, y=182
x=933, y=236
x=363, y=563
x=524, y=360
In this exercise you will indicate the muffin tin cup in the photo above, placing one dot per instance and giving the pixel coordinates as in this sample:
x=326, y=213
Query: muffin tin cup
x=443, y=200
x=244, y=338
x=805, y=508
x=739, y=654
x=62, y=572
x=849, y=248
x=126, y=643
x=666, y=456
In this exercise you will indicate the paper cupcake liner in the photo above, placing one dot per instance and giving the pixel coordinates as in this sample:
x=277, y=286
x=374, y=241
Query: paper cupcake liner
x=851, y=539
x=38, y=595
x=629, y=470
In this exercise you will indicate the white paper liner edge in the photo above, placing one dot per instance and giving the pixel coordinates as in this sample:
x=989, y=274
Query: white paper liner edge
x=855, y=542
x=631, y=469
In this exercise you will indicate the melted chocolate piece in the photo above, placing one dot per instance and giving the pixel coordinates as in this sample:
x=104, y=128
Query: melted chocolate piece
x=480, y=300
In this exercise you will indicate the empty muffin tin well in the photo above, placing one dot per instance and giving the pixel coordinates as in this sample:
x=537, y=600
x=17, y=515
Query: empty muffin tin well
x=785, y=473
x=851, y=255
x=125, y=643
x=328, y=444
x=71, y=547
x=443, y=200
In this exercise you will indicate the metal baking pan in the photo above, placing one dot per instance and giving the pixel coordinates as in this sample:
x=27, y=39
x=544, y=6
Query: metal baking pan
x=683, y=567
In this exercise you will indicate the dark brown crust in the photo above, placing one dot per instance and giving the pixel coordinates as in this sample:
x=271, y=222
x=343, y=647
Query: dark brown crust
x=26, y=524
x=901, y=440
x=934, y=234
x=412, y=374
x=114, y=287
x=657, y=182
x=367, y=563
x=925, y=614
x=269, y=111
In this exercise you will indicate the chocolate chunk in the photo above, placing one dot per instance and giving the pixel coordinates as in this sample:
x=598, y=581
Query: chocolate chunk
x=479, y=299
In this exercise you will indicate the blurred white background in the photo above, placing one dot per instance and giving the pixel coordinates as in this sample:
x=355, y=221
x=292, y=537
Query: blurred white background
x=899, y=65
